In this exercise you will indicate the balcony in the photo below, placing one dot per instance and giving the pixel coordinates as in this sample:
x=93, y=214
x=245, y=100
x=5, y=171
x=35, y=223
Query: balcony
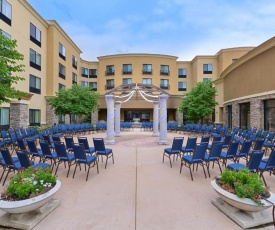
x=92, y=76
x=126, y=71
x=109, y=86
x=147, y=71
x=181, y=89
x=164, y=86
x=34, y=65
x=165, y=73
x=62, y=56
x=109, y=73
x=182, y=76
x=34, y=90
x=62, y=76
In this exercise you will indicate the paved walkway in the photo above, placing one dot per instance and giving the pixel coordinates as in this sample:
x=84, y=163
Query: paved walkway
x=138, y=192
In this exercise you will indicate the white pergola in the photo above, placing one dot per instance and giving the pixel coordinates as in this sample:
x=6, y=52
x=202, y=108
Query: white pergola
x=121, y=94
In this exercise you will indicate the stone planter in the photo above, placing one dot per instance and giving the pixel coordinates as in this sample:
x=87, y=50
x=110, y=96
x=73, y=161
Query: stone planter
x=244, y=204
x=31, y=204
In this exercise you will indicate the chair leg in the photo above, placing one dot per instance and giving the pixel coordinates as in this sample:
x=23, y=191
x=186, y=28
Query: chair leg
x=261, y=175
x=4, y=169
x=203, y=170
x=69, y=164
x=75, y=169
x=57, y=168
x=207, y=166
x=163, y=157
x=88, y=172
x=97, y=166
x=6, y=177
x=113, y=157
x=190, y=172
x=106, y=162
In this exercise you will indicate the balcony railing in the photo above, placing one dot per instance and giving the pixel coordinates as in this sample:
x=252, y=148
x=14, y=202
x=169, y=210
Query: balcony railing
x=165, y=86
x=108, y=73
x=182, y=75
x=165, y=73
x=109, y=86
x=62, y=56
x=126, y=71
x=181, y=89
x=147, y=71
x=92, y=76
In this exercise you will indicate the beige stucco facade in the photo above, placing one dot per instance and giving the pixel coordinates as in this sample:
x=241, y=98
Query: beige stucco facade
x=52, y=35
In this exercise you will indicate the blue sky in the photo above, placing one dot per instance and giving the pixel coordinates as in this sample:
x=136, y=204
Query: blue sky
x=183, y=28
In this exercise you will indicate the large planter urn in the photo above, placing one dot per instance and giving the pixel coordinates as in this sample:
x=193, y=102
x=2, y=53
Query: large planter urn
x=244, y=204
x=28, y=205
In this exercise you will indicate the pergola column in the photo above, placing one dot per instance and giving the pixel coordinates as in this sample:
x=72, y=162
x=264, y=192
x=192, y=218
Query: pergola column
x=156, y=119
x=117, y=119
x=163, y=119
x=110, y=119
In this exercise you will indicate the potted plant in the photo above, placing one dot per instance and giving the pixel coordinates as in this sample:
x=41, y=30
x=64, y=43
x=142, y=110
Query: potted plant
x=243, y=190
x=28, y=190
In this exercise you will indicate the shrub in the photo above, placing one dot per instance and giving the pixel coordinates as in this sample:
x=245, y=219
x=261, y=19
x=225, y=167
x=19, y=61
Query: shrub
x=29, y=183
x=244, y=184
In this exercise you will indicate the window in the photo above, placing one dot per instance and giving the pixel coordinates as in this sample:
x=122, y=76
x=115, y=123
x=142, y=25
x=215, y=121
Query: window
x=207, y=68
x=35, y=35
x=5, y=34
x=182, y=86
x=147, y=81
x=269, y=118
x=229, y=116
x=92, y=73
x=62, y=51
x=182, y=73
x=244, y=116
x=61, y=86
x=74, y=62
x=5, y=11
x=4, y=118
x=84, y=72
x=233, y=60
x=164, y=70
x=35, y=84
x=127, y=69
x=84, y=83
x=34, y=117
x=73, y=119
x=147, y=69
x=110, y=84
x=93, y=86
x=35, y=59
x=61, y=119
x=206, y=79
x=164, y=84
x=62, y=71
x=74, y=78
x=127, y=81
x=110, y=70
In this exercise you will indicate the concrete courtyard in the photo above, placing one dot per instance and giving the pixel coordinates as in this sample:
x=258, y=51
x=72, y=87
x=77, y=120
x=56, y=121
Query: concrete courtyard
x=138, y=192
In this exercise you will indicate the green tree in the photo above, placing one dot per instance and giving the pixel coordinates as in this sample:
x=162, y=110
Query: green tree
x=199, y=102
x=9, y=58
x=74, y=101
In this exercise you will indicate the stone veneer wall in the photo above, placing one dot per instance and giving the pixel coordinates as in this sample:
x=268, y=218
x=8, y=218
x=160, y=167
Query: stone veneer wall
x=256, y=110
x=51, y=118
x=179, y=117
x=19, y=114
x=94, y=117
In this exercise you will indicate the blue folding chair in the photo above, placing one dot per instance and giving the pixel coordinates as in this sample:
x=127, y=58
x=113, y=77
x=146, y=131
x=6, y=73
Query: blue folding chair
x=230, y=154
x=26, y=162
x=84, y=141
x=190, y=145
x=195, y=158
x=82, y=158
x=253, y=163
x=213, y=155
x=267, y=165
x=100, y=150
x=175, y=150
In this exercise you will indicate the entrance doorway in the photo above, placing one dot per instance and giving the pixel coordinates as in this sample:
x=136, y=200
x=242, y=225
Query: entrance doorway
x=142, y=115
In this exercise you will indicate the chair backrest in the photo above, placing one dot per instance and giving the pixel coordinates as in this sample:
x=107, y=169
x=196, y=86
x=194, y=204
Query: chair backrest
x=259, y=133
x=23, y=159
x=79, y=151
x=21, y=144
x=271, y=161
x=205, y=139
x=69, y=142
x=217, y=138
x=227, y=139
x=45, y=148
x=233, y=148
x=4, y=134
x=216, y=149
x=177, y=143
x=60, y=149
x=246, y=147
x=199, y=151
x=47, y=138
x=270, y=136
x=191, y=142
x=255, y=160
x=99, y=144
x=13, y=137
x=32, y=146
x=84, y=141
x=259, y=144
x=7, y=156
x=264, y=134
x=56, y=138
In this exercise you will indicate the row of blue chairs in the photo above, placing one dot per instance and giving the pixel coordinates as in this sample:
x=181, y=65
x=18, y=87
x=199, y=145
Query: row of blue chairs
x=218, y=152
x=58, y=153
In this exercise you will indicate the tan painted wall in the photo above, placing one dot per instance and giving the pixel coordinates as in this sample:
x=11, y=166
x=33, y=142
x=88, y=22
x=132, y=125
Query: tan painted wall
x=254, y=76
